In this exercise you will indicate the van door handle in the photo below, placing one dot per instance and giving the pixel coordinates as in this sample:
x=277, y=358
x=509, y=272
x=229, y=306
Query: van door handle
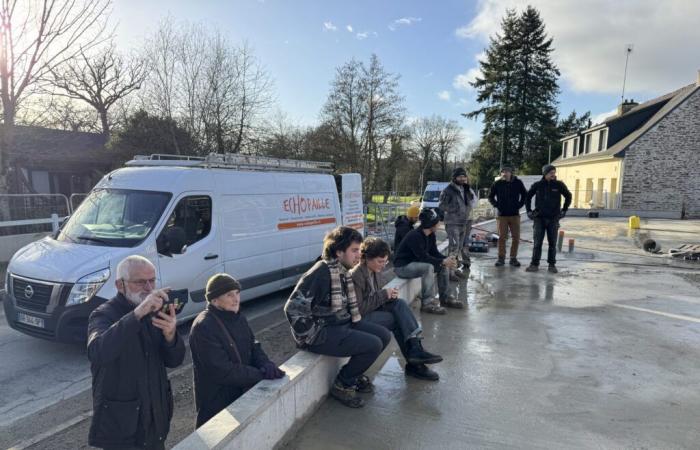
x=211, y=256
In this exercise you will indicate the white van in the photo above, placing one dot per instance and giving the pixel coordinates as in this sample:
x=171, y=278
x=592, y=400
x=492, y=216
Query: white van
x=261, y=220
x=431, y=196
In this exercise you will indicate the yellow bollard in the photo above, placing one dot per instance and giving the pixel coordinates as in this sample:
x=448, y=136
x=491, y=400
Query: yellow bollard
x=634, y=222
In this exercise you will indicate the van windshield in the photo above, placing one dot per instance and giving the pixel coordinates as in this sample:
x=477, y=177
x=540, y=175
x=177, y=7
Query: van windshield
x=114, y=217
x=431, y=196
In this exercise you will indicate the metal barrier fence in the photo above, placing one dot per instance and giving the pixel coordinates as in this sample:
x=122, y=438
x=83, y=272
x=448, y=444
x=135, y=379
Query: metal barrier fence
x=31, y=213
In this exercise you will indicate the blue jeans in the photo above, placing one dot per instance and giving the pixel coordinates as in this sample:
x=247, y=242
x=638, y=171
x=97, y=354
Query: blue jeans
x=427, y=274
x=398, y=318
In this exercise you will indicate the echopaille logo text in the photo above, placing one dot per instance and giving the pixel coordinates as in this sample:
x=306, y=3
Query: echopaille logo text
x=301, y=205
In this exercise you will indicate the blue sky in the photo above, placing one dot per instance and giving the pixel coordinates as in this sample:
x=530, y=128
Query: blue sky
x=434, y=46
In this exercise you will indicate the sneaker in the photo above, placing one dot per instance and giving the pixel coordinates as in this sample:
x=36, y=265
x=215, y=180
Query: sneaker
x=364, y=385
x=417, y=355
x=532, y=268
x=451, y=302
x=422, y=372
x=346, y=395
x=500, y=263
x=514, y=262
x=552, y=269
x=432, y=308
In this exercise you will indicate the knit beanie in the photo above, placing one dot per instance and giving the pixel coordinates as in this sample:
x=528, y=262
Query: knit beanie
x=220, y=284
x=413, y=212
x=458, y=172
x=547, y=168
x=428, y=218
x=507, y=169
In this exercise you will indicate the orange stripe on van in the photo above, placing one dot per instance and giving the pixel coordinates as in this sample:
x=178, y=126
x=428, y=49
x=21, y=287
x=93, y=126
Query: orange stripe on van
x=305, y=223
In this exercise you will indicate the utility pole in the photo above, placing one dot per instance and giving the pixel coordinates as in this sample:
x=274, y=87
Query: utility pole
x=624, y=79
x=549, y=160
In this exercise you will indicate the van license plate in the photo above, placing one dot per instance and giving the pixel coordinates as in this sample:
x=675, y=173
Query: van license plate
x=30, y=320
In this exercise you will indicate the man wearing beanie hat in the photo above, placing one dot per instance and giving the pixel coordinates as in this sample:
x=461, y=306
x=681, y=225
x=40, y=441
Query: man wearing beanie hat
x=418, y=256
x=456, y=202
x=227, y=359
x=404, y=224
x=548, y=211
x=508, y=195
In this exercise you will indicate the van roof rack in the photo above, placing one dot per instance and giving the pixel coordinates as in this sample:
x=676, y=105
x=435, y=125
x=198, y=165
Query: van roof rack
x=232, y=161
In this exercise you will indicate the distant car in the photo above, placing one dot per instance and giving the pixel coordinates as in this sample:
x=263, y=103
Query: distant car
x=431, y=196
x=478, y=243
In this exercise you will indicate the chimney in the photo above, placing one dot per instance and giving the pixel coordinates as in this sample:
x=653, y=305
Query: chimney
x=625, y=106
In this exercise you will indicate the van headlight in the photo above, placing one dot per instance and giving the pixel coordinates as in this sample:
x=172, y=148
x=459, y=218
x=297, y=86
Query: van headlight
x=86, y=288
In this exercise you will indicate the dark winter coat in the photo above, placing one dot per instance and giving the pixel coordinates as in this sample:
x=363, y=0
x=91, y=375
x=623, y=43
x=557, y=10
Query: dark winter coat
x=417, y=247
x=508, y=196
x=548, y=196
x=368, y=289
x=220, y=377
x=403, y=225
x=131, y=394
x=457, y=208
x=308, y=308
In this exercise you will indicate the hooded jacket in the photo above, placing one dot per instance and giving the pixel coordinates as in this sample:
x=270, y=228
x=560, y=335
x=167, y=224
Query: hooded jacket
x=403, y=225
x=457, y=209
x=508, y=196
x=548, y=196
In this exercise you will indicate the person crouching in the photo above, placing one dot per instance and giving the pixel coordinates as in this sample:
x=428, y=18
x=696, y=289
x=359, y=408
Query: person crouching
x=227, y=359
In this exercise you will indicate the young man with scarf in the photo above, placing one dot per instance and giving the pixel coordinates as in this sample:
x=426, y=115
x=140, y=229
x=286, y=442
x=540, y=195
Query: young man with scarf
x=456, y=202
x=325, y=317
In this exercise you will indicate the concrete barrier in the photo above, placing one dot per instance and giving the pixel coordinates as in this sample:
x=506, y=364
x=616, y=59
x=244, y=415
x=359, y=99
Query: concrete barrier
x=274, y=409
x=579, y=212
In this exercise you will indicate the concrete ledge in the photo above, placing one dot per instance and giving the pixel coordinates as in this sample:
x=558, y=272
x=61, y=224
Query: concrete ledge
x=625, y=213
x=273, y=409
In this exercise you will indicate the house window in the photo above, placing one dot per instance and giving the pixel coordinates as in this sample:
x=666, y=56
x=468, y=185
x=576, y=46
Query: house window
x=565, y=149
x=587, y=144
x=575, y=151
x=603, y=140
x=193, y=216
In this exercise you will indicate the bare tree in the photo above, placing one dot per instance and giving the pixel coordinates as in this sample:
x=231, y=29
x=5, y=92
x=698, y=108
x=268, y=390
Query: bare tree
x=36, y=36
x=448, y=138
x=100, y=80
x=425, y=139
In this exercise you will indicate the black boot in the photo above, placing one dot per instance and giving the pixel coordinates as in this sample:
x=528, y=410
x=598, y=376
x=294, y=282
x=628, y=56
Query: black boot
x=417, y=355
x=347, y=395
x=422, y=372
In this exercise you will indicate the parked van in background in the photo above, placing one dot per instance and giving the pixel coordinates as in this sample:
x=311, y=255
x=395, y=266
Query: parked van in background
x=431, y=196
x=261, y=220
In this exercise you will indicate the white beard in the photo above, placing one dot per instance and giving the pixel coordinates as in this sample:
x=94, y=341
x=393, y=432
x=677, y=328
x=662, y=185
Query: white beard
x=135, y=297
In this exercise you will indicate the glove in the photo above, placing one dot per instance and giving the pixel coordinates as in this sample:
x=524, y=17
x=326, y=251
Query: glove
x=530, y=215
x=271, y=371
x=562, y=214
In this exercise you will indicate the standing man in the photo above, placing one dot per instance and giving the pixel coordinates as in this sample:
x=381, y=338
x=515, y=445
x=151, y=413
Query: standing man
x=130, y=343
x=508, y=195
x=546, y=215
x=457, y=201
x=418, y=256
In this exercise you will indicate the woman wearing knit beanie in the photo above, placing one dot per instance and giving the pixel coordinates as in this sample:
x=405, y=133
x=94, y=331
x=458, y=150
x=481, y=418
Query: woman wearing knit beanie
x=227, y=359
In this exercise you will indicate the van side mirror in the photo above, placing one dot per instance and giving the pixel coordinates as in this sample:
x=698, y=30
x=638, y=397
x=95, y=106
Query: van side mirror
x=172, y=242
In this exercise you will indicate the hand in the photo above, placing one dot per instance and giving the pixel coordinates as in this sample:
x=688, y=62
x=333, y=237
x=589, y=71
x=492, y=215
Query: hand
x=271, y=371
x=562, y=214
x=392, y=293
x=450, y=262
x=152, y=303
x=167, y=323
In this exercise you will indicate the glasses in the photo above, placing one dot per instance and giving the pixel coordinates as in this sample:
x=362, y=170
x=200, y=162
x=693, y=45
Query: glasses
x=143, y=283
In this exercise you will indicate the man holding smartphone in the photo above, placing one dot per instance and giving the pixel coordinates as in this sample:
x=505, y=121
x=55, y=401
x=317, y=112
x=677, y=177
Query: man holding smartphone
x=130, y=343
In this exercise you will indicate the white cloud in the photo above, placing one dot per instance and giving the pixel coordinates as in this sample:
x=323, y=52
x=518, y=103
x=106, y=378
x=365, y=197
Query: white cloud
x=365, y=34
x=590, y=45
x=444, y=95
x=428, y=75
x=349, y=28
x=404, y=21
x=463, y=80
x=328, y=26
x=599, y=118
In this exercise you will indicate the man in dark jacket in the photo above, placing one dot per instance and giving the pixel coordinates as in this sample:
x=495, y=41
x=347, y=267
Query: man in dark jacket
x=404, y=224
x=546, y=215
x=418, y=256
x=227, y=360
x=508, y=195
x=130, y=343
x=326, y=319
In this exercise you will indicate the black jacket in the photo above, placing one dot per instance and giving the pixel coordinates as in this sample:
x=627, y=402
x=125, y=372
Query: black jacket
x=403, y=226
x=417, y=247
x=219, y=376
x=548, y=196
x=508, y=196
x=131, y=394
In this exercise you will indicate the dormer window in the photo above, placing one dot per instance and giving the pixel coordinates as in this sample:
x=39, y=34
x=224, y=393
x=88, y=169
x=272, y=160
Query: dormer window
x=587, y=144
x=603, y=140
x=565, y=149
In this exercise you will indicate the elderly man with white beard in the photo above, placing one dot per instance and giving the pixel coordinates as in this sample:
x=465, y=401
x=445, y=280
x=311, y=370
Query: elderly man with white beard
x=131, y=340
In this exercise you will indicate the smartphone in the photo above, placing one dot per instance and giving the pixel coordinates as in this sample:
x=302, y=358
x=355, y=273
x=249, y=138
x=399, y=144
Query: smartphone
x=177, y=297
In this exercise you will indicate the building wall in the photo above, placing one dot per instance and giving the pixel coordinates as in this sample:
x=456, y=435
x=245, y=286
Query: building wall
x=661, y=168
x=591, y=175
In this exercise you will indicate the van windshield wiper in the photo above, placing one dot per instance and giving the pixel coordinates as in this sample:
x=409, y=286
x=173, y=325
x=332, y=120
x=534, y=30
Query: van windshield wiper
x=94, y=239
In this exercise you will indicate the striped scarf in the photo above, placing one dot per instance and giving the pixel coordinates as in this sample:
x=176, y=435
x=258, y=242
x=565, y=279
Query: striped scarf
x=337, y=304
